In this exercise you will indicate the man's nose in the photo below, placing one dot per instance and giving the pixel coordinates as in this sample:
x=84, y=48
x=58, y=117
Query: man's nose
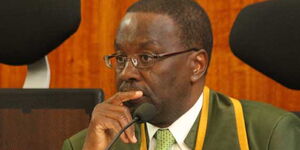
x=130, y=72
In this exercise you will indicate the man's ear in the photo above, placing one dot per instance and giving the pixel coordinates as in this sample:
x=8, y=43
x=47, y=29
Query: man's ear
x=199, y=65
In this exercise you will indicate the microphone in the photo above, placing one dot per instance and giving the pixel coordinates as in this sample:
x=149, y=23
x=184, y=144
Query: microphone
x=143, y=113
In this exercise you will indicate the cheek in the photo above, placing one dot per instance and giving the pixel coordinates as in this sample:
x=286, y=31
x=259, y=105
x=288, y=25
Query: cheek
x=117, y=81
x=160, y=81
x=166, y=84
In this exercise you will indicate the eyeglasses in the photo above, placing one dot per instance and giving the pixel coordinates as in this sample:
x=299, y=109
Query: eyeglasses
x=141, y=61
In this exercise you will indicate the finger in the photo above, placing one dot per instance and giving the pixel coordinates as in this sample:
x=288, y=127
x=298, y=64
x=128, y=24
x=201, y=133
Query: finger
x=99, y=108
x=130, y=132
x=121, y=97
x=117, y=116
x=116, y=127
x=124, y=138
x=120, y=114
x=123, y=117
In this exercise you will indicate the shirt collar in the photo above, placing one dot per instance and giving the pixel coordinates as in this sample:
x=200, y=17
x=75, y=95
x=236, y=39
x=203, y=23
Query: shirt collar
x=181, y=127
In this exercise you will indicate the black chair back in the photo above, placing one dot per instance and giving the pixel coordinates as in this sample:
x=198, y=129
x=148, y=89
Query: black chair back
x=43, y=118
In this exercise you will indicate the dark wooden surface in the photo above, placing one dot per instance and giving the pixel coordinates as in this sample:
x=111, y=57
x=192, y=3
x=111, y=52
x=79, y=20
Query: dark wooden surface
x=39, y=129
x=78, y=63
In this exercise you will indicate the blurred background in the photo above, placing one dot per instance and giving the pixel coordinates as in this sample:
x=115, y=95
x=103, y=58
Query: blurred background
x=78, y=62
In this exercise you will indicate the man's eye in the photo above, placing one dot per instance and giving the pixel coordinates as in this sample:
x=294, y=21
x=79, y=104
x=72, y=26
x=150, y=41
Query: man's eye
x=120, y=59
x=145, y=58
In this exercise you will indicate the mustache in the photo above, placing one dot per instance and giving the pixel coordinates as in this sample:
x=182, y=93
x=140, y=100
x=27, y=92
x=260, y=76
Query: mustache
x=126, y=87
x=131, y=86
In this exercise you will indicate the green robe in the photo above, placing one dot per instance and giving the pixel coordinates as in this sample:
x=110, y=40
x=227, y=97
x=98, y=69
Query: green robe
x=267, y=127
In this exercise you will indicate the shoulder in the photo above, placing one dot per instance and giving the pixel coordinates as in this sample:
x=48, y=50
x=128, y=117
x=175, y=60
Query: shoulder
x=257, y=110
x=266, y=114
x=269, y=127
x=75, y=142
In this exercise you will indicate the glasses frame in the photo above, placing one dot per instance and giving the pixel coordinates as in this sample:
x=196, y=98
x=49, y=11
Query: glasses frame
x=155, y=57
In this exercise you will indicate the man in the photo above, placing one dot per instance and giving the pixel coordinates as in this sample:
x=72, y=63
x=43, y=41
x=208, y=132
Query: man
x=162, y=54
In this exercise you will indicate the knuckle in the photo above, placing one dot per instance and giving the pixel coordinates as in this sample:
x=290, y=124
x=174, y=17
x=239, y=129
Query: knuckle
x=98, y=109
x=112, y=125
x=124, y=110
x=112, y=99
x=118, y=95
x=99, y=106
x=122, y=117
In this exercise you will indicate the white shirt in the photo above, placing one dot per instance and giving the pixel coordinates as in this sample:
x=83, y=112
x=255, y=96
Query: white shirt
x=180, y=128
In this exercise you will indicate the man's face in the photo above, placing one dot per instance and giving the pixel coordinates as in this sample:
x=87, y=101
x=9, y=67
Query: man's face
x=166, y=84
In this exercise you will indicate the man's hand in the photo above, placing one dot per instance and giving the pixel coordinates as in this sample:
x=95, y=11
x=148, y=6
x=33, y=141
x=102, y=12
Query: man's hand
x=108, y=118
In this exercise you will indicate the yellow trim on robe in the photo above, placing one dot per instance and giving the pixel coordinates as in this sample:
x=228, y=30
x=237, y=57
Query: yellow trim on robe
x=240, y=123
x=143, y=135
x=203, y=120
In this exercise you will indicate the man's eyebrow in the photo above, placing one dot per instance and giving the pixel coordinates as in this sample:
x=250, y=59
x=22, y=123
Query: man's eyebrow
x=142, y=45
x=146, y=44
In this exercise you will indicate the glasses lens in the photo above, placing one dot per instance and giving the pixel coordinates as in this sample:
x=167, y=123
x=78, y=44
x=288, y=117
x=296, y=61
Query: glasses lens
x=119, y=61
x=115, y=62
x=145, y=60
x=140, y=61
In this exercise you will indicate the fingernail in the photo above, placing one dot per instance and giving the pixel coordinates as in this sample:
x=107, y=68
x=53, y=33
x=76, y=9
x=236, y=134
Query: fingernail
x=134, y=139
x=139, y=93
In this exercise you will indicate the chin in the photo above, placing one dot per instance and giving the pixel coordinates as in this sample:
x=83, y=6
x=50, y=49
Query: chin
x=158, y=118
x=159, y=122
x=132, y=107
x=162, y=119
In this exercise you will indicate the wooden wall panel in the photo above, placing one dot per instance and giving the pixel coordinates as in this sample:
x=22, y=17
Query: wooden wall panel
x=40, y=129
x=78, y=62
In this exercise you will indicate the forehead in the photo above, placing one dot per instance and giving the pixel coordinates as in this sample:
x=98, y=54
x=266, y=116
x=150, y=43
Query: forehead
x=141, y=30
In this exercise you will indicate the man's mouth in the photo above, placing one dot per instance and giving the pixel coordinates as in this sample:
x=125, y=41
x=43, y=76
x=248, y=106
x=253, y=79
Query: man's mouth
x=138, y=100
x=133, y=104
